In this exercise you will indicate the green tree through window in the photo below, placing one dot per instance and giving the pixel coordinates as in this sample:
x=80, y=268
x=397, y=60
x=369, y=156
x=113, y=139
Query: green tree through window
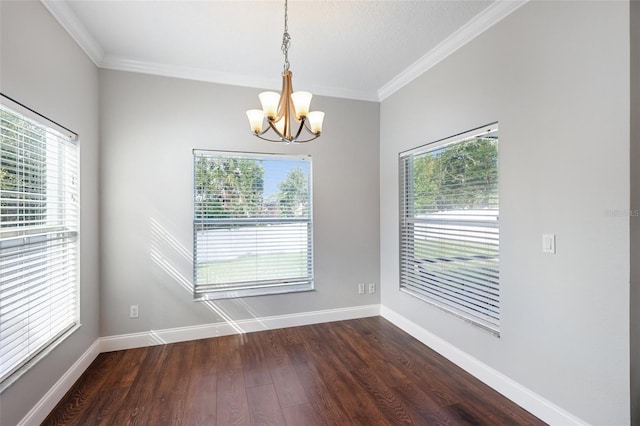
x=293, y=198
x=449, y=225
x=23, y=171
x=39, y=228
x=462, y=176
x=252, y=224
x=228, y=187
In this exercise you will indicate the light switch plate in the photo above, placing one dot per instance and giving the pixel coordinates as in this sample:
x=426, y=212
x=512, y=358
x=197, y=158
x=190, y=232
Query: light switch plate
x=549, y=243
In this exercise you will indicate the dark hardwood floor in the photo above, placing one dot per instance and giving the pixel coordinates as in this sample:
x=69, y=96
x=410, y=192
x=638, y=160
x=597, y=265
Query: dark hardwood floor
x=357, y=372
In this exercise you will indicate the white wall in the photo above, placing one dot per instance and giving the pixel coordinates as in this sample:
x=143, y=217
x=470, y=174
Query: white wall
x=635, y=209
x=556, y=77
x=149, y=126
x=42, y=67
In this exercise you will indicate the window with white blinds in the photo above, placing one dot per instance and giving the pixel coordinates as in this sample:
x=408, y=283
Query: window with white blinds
x=38, y=237
x=252, y=224
x=449, y=225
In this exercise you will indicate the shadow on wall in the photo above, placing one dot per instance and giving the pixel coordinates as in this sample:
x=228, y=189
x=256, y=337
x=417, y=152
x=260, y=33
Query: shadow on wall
x=164, y=248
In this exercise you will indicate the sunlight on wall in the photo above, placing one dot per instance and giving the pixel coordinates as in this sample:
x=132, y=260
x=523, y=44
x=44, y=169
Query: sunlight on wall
x=164, y=246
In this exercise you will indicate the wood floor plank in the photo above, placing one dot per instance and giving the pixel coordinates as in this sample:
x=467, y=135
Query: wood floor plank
x=264, y=406
x=288, y=386
x=357, y=372
x=232, y=403
x=129, y=366
x=283, y=373
x=136, y=408
x=355, y=400
x=428, y=409
x=106, y=410
x=229, y=357
x=171, y=391
x=201, y=402
x=321, y=390
x=81, y=396
x=302, y=414
x=491, y=407
x=318, y=387
x=115, y=389
x=369, y=353
x=425, y=367
x=394, y=408
x=294, y=346
x=254, y=365
x=448, y=382
x=381, y=373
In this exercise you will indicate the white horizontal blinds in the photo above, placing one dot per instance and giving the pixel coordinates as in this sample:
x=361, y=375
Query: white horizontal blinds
x=38, y=237
x=449, y=233
x=252, y=224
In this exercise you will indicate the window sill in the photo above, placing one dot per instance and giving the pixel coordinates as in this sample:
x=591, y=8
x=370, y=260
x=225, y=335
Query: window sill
x=236, y=293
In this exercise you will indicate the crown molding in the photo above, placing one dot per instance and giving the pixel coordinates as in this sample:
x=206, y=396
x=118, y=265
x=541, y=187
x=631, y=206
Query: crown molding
x=70, y=22
x=476, y=26
x=336, y=92
x=190, y=73
x=203, y=74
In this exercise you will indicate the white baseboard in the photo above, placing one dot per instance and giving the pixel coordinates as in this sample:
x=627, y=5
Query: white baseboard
x=205, y=331
x=48, y=402
x=129, y=341
x=527, y=399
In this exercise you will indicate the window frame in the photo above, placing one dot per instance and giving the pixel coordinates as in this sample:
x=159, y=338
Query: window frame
x=416, y=284
x=45, y=240
x=210, y=291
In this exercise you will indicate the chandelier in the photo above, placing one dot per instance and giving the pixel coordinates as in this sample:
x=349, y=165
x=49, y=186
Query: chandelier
x=287, y=113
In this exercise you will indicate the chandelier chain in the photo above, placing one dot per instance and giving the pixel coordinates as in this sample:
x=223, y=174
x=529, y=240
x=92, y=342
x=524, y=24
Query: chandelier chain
x=286, y=38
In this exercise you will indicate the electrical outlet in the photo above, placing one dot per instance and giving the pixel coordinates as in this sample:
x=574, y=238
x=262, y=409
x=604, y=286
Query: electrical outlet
x=361, y=288
x=372, y=288
x=133, y=311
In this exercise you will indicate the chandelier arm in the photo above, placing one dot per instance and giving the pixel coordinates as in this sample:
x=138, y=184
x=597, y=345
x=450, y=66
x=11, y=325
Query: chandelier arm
x=262, y=132
x=285, y=96
x=280, y=115
x=284, y=139
x=308, y=140
x=281, y=140
x=269, y=140
x=306, y=125
x=270, y=127
x=302, y=126
x=275, y=129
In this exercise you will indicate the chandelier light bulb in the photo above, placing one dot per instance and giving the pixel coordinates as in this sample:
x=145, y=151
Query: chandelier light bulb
x=315, y=121
x=269, y=101
x=256, y=117
x=301, y=102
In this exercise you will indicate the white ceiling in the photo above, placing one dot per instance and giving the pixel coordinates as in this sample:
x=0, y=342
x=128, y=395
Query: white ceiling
x=353, y=49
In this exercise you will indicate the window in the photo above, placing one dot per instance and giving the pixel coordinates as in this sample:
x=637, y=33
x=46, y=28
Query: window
x=449, y=225
x=252, y=224
x=38, y=237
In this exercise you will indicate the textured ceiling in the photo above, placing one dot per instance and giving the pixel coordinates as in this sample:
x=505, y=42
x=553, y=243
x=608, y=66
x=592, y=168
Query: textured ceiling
x=339, y=48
